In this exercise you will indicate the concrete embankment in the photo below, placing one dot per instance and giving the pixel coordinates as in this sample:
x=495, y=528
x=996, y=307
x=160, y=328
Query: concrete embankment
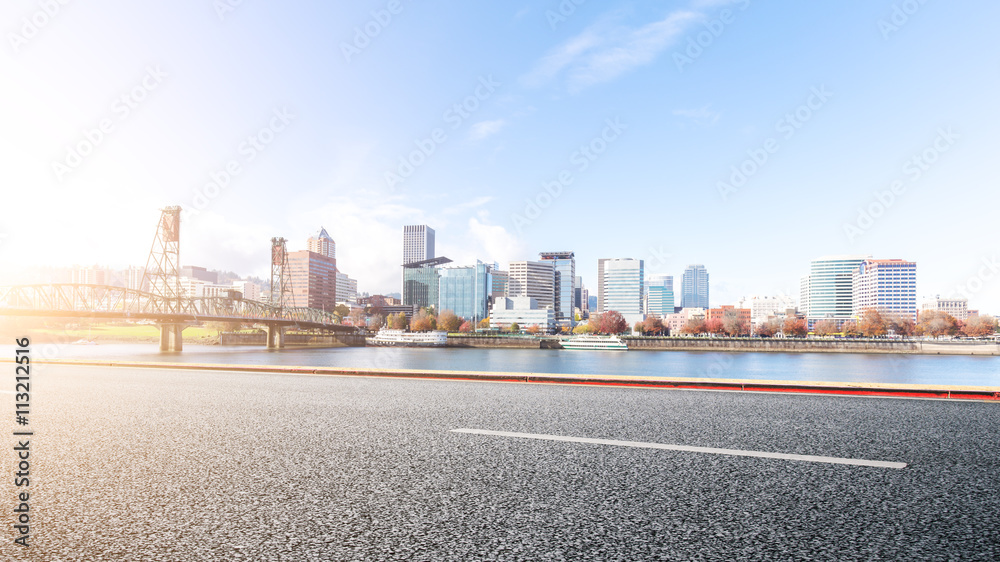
x=776, y=345
x=955, y=392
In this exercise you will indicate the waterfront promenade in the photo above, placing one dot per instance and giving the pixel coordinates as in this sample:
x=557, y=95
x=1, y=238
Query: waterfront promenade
x=158, y=463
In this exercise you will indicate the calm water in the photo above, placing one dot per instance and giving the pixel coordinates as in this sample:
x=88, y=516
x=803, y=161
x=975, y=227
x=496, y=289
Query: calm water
x=966, y=370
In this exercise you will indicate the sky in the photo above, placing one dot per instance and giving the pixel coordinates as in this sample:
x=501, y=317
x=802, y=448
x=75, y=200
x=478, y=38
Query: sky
x=748, y=136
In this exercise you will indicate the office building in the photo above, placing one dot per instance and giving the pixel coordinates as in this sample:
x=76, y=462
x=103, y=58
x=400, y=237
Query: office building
x=660, y=295
x=321, y=243
x=564, y=277
x=421, y=283
x=694, y=287
x=581, y=295
x=347, y=288
x=199, y=273
x=624, y=281
x=523, y=311
x=600, y=285
x=249, y=290
x=957, y=307
x=499, y=282
x=418, y=243
x=314, y=280
x=828, y=291
x=466, y=291
x=535, y=279
x=888, y=286
x=763, y=308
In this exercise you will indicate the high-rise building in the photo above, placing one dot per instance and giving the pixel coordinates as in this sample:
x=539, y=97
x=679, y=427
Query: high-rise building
x=499, y=277
x=535, y=279
x=314, y=280
x=660, y=295
x=418, y=243
x=694, y=287
x=957, y=307
x=323, y=244
x=623, y=288
x=600, y=285
x=828, y=291
x=581, y=296
x=421, y=283
x=564, y=269
x=134, y=278
x=347, y=288
x=888, y=286
x=466, y=291
x=249, y=290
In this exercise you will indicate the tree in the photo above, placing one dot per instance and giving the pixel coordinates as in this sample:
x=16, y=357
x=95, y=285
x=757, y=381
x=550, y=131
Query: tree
x=900, y=326
x=936, y=323
x=850, y=329
x=980, y=326
x=637, y=328
x=733, y=323
x=357, y=317
x=449, y=322
x=484, y=324
x=694, y=326
x=795, y=327
x=422, y=322
x=514, y=328
x=652, y=325
x=466, y=327
x=583, y=329
x=826, y=328
x=612, y=322
x=376, y=322
x=872, y=324
x=397, y=321
x=341, y=310
x=714, y=326
x=767, y=329
x=533, y=329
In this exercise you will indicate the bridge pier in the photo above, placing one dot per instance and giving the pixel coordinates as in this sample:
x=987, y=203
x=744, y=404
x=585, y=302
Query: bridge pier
x=170, y=337
x=275, y=336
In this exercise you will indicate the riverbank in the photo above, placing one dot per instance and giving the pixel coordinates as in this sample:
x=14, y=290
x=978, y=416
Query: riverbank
x=774, y=345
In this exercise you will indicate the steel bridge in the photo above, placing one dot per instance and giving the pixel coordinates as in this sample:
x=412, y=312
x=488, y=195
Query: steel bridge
x=164, y=302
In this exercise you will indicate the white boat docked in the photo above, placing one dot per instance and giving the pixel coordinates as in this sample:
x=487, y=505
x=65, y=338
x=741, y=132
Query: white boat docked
x=608, y=343
x=402, y=338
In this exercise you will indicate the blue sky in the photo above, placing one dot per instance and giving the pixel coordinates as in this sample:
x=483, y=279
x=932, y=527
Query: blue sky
x=340, y=110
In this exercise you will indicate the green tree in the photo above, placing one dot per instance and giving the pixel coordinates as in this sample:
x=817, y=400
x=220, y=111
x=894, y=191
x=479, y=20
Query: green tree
x=514, y=328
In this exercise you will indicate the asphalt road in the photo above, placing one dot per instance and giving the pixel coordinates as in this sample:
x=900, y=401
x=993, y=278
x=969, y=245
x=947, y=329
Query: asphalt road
x=138, y=464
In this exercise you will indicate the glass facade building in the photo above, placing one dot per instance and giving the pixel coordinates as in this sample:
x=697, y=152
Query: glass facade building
x=660, y=295
x=888, y=286
x=694, y=287
x=564, y=268
x=624, y=281
x=466, y=291
x=421, y=283
x=828, y=292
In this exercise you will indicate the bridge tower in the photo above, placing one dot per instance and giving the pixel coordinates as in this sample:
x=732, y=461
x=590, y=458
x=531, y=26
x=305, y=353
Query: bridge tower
x=281, y=290
x=162, y=275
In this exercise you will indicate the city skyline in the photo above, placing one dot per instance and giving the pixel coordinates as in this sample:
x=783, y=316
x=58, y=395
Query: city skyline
x=548, y=137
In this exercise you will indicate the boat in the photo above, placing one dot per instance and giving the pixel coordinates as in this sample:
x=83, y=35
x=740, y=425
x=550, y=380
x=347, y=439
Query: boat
x=402, y=338
x=607, y=343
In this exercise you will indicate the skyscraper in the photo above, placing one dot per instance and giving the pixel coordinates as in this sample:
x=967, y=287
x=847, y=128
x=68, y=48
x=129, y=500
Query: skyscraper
x=660, y=295
x=694, y=287
x=600, y=285
x=564, y=268
x=421, y=282
x=314, y=280
x=623, y=288
x=534, y=279
x=418, y=243
x=828, y=290
x=322, y=244
x=888, y=286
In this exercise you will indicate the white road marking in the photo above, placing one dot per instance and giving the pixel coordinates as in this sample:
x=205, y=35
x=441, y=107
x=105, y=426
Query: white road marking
x=711, y=450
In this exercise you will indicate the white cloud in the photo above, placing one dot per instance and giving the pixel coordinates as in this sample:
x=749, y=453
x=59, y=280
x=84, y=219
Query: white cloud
x=603, y=52
x=703, y=115
x=483, y=129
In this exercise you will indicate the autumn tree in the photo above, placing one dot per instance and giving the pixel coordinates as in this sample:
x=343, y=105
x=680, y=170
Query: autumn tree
x=341, y=310
x=583, y=329
x=376, y=322
x=850, y=329
x=398, y=321
x=899, y=325
x=533, y=329
x=637, y=328
x=484, y=324
x=936, y=323
x=357, y=317
x=826, y=328
x=715, y=326
x=466, y=327
x=733, y=324
x=694, y=326
x=795, y=327
x=514, y=328
x=980, y=326
x=652, y=325
x=767, y=329
x=448, y=321
x=872, y=324
x=612, y=322
x=422, y=322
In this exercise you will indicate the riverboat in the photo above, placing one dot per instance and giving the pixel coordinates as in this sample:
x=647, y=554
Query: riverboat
x=607, y=343
x=401, y=338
